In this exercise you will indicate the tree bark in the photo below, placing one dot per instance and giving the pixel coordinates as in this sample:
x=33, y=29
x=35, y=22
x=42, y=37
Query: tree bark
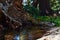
x=44, y=6
x=35, y=2
x=18, y=4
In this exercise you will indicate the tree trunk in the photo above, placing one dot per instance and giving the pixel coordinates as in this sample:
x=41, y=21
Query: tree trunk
x=35, y=2
x=44, y=6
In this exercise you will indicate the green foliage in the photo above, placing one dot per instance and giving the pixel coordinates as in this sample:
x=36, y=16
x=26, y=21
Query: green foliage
x=55, y=20
x=43, y=18
x=32, y=11
x=55, y=5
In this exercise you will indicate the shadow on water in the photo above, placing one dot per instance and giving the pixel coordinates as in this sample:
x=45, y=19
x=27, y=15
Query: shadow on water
x=26, y=34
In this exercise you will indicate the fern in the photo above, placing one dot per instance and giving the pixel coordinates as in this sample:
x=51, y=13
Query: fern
x=32, y=11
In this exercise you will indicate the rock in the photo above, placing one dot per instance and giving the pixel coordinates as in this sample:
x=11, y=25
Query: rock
x=54, y=34
x=50, y=37
x=49, y=24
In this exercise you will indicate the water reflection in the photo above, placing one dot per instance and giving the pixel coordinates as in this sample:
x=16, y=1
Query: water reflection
x=17, y=37
x=25, y=34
